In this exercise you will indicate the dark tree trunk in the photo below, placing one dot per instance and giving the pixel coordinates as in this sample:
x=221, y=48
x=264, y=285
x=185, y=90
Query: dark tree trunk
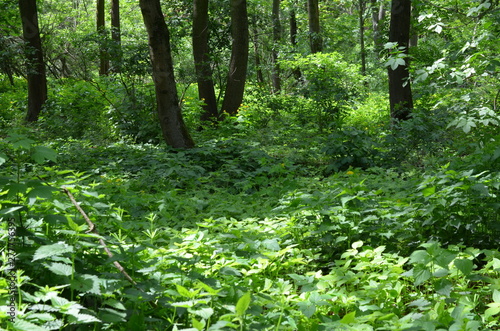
x=37, y=80
x=315, y=39
x=362, y=6
x=260, y=75
x=116, y=36
x=172, y=124
x=399, y=84
x=202, y=61
x=293, y=40
x=236, y=77
x=100, y=23
x=276, y=79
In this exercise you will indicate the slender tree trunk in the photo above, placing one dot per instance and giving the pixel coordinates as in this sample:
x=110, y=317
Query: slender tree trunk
x=201, y=54
x=362, y=6
x=100, y=23
x=116, y=36
x=293, y=40
x=315, y=39
x=260, y=75
x=400, y=95
x=276, y=79
x=378, y=14
x=236, y=77
x=37, y=80
x=172, y=124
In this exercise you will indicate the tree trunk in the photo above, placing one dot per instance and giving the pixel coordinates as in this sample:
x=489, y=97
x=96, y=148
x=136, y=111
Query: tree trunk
x=378, y=14
x=400, y=95
x=202, y=61
x=293, y=40
x=258, y=67
x=100, y=23
x=236, y=77
x=116, y=36
x=362, y=35
x=172, y=124
x=276, y=79
x=37, y=80
x=315, y=39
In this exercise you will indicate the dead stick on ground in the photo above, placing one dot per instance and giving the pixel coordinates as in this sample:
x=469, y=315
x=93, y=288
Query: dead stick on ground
x=94, y=230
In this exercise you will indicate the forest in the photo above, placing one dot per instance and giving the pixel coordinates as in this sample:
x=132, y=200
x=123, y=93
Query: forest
x=292, y=165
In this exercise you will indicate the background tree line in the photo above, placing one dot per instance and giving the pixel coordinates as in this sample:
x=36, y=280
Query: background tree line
x=219, y=46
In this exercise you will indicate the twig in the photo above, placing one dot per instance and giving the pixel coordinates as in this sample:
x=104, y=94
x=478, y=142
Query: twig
x=93, y=229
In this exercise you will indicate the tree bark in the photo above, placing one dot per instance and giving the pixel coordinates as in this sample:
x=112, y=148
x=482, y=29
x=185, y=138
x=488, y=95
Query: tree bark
x=378, y=14
x=361, y=13
x=276, y=79
x=236, y=78
x=37, y=80
x=172, y=124
x=201, y=54
x=258, y=62
x=315, y=40
x=116, y=36
x=400, y=95
x=100, y=23
x=293, y=40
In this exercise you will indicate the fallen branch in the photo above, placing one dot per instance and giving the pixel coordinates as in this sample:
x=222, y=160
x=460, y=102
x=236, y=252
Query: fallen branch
x=93, y=229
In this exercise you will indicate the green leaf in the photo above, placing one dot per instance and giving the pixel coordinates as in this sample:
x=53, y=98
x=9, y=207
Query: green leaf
x=496, y=296
x=349, y=318
x=464, y=265
x=61, y=269
x=42, y=154
x=44, y=192
x=184, y=292
x=421, y=274
x=204, y=313
x=22, y=325
x=197, y=324
x=52, y=250
x=3, y=158
x=429, y=191
x=420, y=257
x=86, y=284
x=443, y=287
x=307, y=308
x=243, y=304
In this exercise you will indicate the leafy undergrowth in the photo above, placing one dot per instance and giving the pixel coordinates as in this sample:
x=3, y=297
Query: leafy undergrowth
x=229, y=236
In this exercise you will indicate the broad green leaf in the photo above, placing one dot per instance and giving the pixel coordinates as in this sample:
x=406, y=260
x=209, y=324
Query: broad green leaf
x=271, y=244
x=11, y=210
x=22, y=325
x=52, y=250
x=496, y=296
x=464, y=265
x=493, y=310
x=357, y=244
x=183, y=292
x=44, y=192
x=444, y=257
x=420, y=257
x=243, y=304
x=421, y=274
x=82, y=318
x=307, y=308
x=3, y=158
x=86, y=284
x=115, y=304
x=443, y=287
x=349, y=318
x=429, y=191
x=42, y=154
x=197, y=324
x=204, y=313
x=61, y=269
